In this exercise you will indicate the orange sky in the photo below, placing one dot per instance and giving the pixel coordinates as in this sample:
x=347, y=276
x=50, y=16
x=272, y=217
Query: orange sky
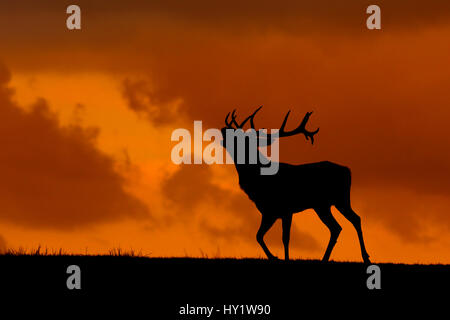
x=87, y=117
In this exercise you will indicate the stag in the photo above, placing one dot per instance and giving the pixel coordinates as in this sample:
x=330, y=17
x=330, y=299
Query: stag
x=294, y=188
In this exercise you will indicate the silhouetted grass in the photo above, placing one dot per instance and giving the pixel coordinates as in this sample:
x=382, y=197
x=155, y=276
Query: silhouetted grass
x=132, y=253
x=175, y=281
x=39, y=251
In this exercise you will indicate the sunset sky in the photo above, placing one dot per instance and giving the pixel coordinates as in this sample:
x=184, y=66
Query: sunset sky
x=87, y=115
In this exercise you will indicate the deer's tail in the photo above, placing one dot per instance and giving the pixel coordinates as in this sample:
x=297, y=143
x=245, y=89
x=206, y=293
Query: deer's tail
x=343, y=178
x=349, y=175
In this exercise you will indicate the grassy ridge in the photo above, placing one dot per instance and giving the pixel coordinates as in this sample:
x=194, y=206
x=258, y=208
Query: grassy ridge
x=168, y=283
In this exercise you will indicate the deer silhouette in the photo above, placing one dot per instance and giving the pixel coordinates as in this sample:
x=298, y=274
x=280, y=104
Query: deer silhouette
x=294, y=188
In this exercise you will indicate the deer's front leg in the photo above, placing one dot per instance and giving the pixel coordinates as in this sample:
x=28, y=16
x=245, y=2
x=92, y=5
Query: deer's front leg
x=287, y=221
x=266, y=223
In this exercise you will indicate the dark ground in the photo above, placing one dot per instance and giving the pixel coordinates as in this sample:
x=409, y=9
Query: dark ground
x=168, y=284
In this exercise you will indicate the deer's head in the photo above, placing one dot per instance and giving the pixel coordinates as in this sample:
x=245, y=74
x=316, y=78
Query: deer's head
x=243, y=148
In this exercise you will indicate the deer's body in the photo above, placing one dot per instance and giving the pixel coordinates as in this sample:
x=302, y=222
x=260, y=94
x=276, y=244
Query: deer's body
x=295, y=188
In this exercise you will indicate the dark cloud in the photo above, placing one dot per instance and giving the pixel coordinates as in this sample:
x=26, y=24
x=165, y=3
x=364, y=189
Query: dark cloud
x=140, y=99
x=382, y=112
x=380, y=98
x=411, y=216
x=114, y=31
x=192, y=186
x=297, y=16
x=53, y=176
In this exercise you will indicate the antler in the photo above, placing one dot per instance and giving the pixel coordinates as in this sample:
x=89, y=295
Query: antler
x=282, y=133
x=240, y=126
x=300, y=129
x=250, y=117
x=233, y=119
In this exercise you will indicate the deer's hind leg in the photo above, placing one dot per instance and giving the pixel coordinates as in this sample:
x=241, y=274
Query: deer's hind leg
x=355, y=220
x=327, y=218
x=267, y=222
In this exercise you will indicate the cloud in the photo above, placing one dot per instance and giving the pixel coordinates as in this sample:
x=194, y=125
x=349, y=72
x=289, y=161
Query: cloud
x=53, y=176
x=380, y=98
x=298, y=16
x=242, y=217
x=413, y=217
x=382, y=112
x=141, y=100
x=113, y=32
x=175, y=189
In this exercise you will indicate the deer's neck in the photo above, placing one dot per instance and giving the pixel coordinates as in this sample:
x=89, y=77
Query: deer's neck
x=247, y=172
